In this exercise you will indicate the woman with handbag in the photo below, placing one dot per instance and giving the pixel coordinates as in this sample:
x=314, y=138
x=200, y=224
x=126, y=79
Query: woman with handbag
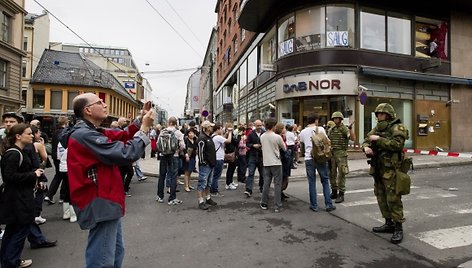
x=231, y=159
x=189, y=157
x=17, y=201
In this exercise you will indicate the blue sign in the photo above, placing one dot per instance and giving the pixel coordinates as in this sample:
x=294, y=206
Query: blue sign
x=363, y=98
x=129, y=85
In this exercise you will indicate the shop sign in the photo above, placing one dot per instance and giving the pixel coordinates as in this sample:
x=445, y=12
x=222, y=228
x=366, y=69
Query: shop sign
x=318, y=83
x=337, y=39
x=286, y=47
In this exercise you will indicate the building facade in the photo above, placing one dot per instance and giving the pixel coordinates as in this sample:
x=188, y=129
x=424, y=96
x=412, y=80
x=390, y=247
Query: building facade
x=12, y=14
x=61, y=76
x=318, y=56
x=208, y=79
x=192, y=98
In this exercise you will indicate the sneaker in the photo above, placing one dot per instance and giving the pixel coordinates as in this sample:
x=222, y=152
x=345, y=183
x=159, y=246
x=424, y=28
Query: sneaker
x=143, y=178
x=128, y=194
x=174, y=202
x=180, y=182
x=217, y=194
x=314, y=209
x=25, y=263
x=328, y=209
x=202, y=206
x=247, y=193
x=49, y=200
x=231, y=187
x=1, y=234
x=160, y=200
x=211, y=202
x=61, y=201
x=264, y=206
x=39, y=220
x=277, y=210
x=235, y=184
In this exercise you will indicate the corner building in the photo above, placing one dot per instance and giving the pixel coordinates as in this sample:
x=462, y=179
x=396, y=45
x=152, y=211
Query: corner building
x=325, y=56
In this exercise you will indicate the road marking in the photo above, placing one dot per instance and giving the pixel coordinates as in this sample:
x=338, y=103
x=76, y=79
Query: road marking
x=373, y=200
x=370, y=190
x=463, y=211
x=447, y=238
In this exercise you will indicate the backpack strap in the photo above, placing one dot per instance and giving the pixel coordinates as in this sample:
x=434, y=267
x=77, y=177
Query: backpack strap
x=21, y=155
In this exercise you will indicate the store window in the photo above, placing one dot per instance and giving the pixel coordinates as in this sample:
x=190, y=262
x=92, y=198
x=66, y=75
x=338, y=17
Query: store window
x=340, y=25
x=268, y=51
x=289, y=110
x=431, y=38
x=56, y=100
x=252, y=65
x=310, y=29
x=286, y=33
x=372, y=30
x=38, y=99
x=398, y=36
x=243, y=74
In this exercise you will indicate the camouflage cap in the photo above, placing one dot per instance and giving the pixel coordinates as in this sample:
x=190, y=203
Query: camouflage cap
x=337, y=114
x=385, y=108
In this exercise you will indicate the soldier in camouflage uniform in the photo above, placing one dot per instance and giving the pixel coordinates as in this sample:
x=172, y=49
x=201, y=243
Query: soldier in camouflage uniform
x=384, y=145
x=339, y=135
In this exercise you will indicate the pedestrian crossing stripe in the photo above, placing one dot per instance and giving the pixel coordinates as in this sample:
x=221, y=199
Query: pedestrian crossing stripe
x=373, y=200
x=447, y=238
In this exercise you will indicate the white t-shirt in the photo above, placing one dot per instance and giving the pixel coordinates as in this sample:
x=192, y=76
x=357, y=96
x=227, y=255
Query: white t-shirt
x=305, y=137
x=219, y=143
x=290, y=138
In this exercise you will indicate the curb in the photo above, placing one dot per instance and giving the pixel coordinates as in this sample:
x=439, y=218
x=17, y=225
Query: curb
x=359, y=172
x=434, y=152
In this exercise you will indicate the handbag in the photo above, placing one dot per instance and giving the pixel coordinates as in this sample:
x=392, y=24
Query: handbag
x=230, y=157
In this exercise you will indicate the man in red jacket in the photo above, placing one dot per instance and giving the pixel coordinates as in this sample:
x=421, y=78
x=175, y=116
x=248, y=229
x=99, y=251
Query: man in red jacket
x=96, y=188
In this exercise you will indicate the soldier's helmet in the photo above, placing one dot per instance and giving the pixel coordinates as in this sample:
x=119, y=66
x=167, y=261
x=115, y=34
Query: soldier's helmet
x=337, y=114
x=385, y=108
x=330, y=124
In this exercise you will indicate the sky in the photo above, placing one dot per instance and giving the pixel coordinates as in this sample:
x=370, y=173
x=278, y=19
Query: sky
x=137, y=25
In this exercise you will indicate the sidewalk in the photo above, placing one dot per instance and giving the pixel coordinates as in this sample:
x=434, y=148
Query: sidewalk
x=357, y=164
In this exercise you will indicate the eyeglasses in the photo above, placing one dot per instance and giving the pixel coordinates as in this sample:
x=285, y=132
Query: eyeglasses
x=97, y=102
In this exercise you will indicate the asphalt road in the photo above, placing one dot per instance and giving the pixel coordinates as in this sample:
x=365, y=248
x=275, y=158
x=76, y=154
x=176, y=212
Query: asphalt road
x=237, y=233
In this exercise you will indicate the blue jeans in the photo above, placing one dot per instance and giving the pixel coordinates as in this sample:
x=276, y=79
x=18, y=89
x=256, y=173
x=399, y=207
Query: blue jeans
x=322, y=168
x=254, y=163
x=105, y=247
x=137, y=170
x=217, y=170
x=12, y=245
x=168, y=168
x=35, y=235
x=205, y=175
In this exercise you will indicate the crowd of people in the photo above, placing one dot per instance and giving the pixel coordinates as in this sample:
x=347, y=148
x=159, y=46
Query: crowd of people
x=86, y=154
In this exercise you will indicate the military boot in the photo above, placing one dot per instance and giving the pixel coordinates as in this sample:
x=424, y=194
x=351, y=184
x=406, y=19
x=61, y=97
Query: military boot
x=388, y=227
x=334, y=194
x=397, y=236
x=340, y=198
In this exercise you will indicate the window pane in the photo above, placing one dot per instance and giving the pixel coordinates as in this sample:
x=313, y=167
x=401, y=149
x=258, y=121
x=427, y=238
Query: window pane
x=268, y=50
x=38, y=99
x=310, y=29
x=3, y=73
x=340, y=26
x=252, y=65
x=431, y=38
x=372, y=31
x=243, y=74
x=286, y=33
x=56, y=100
x=399, y=37
x=70, y=97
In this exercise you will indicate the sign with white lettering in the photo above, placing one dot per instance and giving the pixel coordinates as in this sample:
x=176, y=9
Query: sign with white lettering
x=337, y=39
x=318, y=83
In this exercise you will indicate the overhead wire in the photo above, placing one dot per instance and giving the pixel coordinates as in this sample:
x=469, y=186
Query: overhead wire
x=175, y=30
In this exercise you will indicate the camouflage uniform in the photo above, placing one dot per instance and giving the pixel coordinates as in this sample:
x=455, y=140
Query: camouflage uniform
x=339, y=136
x=388, y=155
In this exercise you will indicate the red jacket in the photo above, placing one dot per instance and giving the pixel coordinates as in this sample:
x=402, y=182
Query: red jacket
x=93, y=157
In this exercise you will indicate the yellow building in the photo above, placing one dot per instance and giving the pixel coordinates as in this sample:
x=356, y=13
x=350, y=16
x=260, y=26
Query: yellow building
x=61, y=76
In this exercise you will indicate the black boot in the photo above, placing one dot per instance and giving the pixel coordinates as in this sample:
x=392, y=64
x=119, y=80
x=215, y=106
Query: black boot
x=334, y=194
x=388, y=227
x=397, y=236
x=340, y=198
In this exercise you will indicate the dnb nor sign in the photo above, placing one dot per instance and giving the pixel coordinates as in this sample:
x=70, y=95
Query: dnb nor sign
x=314, y=84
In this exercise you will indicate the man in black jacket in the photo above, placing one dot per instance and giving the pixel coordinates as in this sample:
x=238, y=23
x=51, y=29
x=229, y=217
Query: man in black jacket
x=255, y=158
x=206, y=161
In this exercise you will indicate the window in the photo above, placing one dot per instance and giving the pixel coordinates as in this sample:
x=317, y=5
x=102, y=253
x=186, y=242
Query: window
x=229, y=27
x=5, y=21
x=340, y=26
x=235, y=13
x=372, y=31
x=38, y=98
x=286, y=33
x=243, y=74
x=56, y=100
x=431, y=38
x=70, y=97
x=242, y=34
x=310, y=26
x=23, y=69
x=224, y=39
x=3, y=73
x=268, y=51
x=235, y=43
x=25, y=43
x=398, y=36
x=252, y=65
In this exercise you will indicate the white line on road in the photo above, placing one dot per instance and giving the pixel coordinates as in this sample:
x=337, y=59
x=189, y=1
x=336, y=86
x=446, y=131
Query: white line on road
x=373, y=200
x=447, y=238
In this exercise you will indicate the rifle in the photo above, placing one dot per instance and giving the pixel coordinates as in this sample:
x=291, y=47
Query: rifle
x=374, y=160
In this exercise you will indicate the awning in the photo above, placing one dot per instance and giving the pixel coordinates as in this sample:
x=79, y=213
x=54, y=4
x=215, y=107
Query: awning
x=428, y=77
